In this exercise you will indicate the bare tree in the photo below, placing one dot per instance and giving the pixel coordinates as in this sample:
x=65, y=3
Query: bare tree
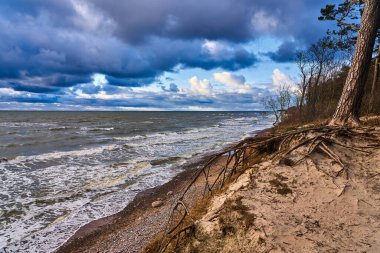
x=301, y=63
x=307, y=69
x=348, y=109
x=322, y=55
x=279, y=102
x=271, y=104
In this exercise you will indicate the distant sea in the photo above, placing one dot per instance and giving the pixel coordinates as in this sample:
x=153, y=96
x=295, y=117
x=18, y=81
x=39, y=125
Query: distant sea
x=61, y=170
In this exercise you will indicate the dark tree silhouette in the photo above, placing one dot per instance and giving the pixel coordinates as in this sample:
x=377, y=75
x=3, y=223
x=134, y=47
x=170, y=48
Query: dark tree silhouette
x=346, y=16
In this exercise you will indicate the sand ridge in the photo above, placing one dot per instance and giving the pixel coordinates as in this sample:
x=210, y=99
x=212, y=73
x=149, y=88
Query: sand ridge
x=279, y=208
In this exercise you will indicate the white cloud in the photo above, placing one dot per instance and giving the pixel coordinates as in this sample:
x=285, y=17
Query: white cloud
x=80, y=94
x=5, y=92
x=237, y=83
x=213, y=48
x=103, y=95
x=202, y=87
x=280, y=79
x=264, y=22
x=229, y=79
x=201, y=108
x=218, y=50
x=99, y=80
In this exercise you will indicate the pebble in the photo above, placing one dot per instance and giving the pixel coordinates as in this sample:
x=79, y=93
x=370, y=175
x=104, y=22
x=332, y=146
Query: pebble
x=169, y=193
x=157, y=203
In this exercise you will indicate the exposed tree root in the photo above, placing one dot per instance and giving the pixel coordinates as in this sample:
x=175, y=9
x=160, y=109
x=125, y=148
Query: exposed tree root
x=289, y=148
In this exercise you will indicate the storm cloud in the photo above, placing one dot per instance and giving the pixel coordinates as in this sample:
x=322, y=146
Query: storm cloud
x=48, y=46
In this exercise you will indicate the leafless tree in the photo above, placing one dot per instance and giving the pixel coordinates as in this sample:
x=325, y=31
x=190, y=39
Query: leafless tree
x=307, y=68
x=322, y=55
x=279, y=102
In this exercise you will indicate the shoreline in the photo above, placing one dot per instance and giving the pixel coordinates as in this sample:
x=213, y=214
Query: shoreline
x=142, y=201
x=139, y=209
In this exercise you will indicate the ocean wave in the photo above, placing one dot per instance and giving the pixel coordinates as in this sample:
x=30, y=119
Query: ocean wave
x=130, y=138
x=77, y=186
x=106, y=183
x=146, y=136
x=198, y=130
x=96, y=129
x=60, y=154
x=26, y=124
x=59, y=128
x=69, y=216
x=245, y=119
x=167, y=137
x=102, y=129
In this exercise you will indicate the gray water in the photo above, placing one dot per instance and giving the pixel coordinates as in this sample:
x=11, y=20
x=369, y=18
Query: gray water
x=61, y=170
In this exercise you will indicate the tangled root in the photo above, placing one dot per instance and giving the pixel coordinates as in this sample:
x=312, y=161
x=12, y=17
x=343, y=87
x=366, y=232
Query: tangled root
x=289, y=148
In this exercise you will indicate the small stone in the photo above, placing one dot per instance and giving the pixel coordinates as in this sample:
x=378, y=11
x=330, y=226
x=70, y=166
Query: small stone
x=157, y=203
x=170, y=193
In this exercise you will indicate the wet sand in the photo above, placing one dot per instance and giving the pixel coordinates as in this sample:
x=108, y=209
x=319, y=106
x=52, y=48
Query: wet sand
x=139, y=223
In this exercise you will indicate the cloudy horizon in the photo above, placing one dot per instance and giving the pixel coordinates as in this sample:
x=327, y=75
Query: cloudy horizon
x=151, y=55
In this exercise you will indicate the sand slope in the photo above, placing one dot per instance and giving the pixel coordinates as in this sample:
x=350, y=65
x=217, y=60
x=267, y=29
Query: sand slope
x=278, y=208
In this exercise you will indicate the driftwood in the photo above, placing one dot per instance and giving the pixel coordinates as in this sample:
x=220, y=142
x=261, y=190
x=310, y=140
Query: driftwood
x=235, y=160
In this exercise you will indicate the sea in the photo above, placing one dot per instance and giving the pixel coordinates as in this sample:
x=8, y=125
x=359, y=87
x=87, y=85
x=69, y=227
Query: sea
x=61, y=170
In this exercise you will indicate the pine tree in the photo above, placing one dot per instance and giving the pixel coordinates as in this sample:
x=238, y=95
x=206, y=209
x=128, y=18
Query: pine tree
x=347, y=111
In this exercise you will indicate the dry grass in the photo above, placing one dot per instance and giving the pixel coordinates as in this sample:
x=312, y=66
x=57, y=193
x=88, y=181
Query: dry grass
x=244, y=218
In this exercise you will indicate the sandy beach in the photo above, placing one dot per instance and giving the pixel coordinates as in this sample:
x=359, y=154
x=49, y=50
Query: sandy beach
x=271, y=207
x=132, y=229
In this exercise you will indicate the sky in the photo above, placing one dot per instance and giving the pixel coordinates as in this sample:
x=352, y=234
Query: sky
x=144, y=55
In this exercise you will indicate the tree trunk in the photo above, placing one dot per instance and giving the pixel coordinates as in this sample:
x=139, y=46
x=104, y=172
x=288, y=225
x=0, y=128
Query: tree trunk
x=302, y=98
x=348, y=109
x=303, y=91
x=315, y=89
x=374, y=81
x=309, y=94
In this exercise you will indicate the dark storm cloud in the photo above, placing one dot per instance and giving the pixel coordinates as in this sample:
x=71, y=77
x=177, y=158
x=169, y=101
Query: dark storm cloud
x=129, y=82
x=233, y=20
x=45, y=100
x=42, y=84
x=36, y=51
x=48, y=45
x=212, y=19
x=285, y=53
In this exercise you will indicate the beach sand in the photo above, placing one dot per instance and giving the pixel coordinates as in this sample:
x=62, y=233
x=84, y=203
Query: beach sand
x=269, y=208
x=139, y=223
x=302, y=208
